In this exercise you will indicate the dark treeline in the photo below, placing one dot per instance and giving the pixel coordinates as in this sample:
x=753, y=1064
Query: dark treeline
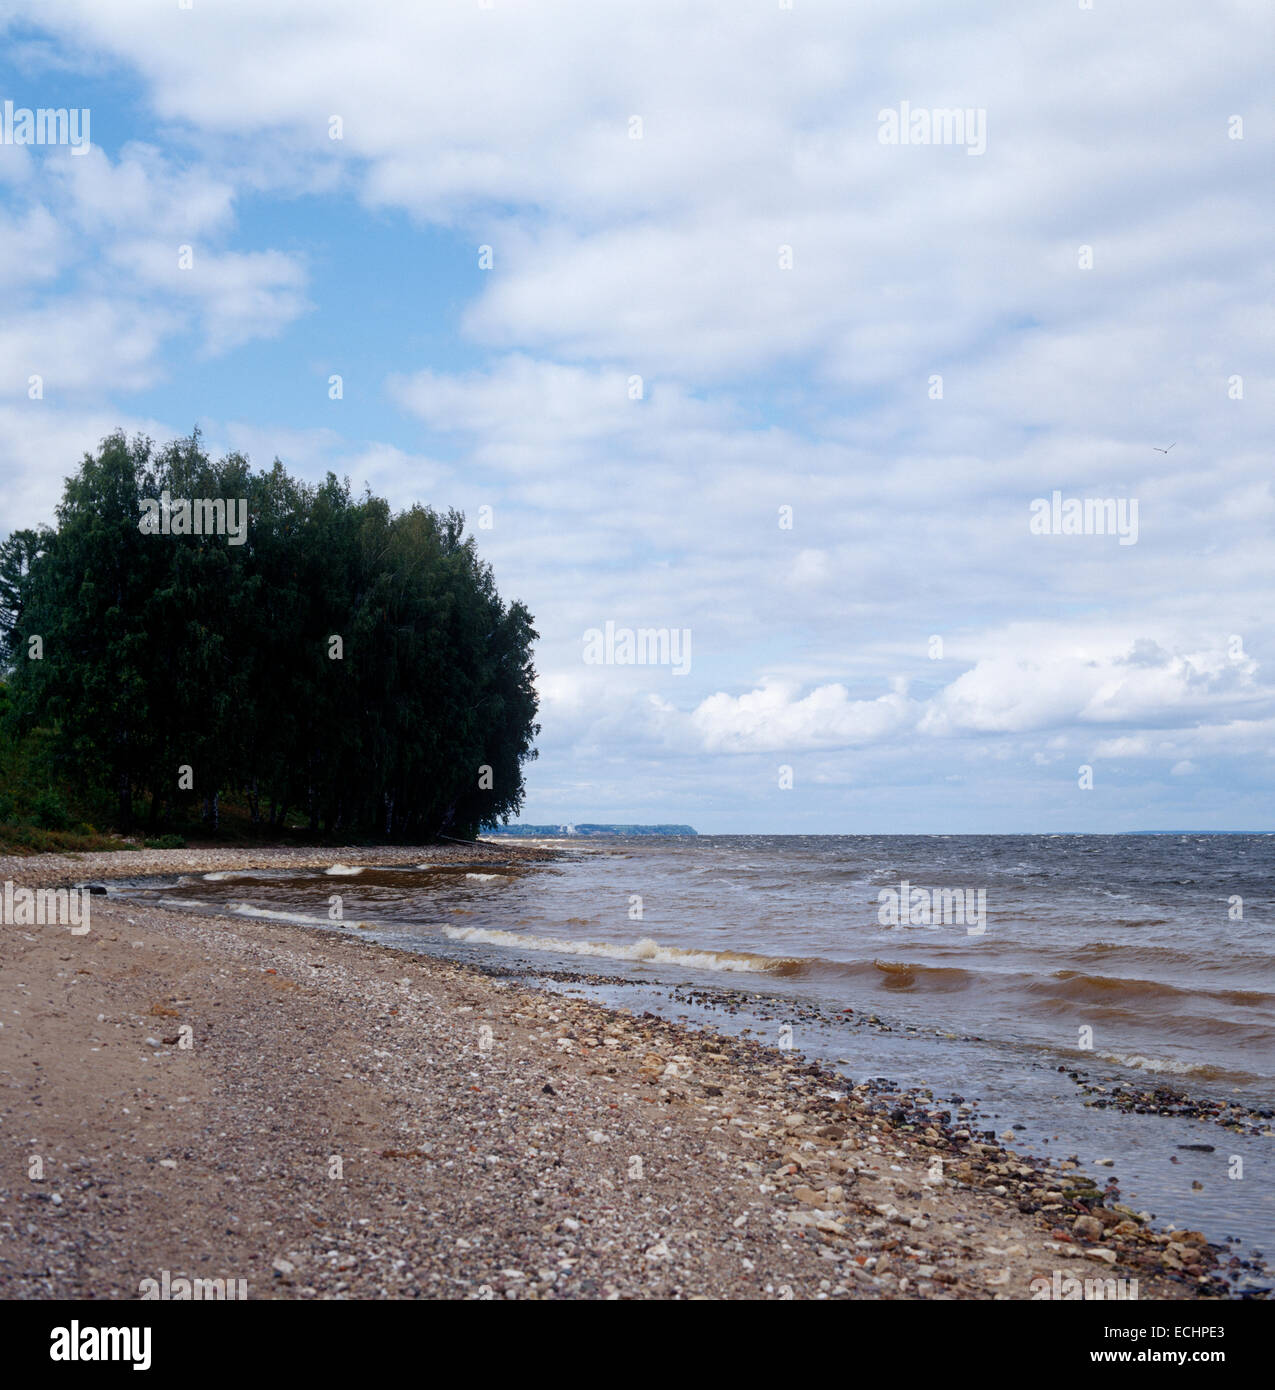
x=345, y=662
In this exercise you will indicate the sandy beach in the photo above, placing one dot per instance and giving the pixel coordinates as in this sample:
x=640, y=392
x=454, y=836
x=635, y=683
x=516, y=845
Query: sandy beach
x=323, y=1117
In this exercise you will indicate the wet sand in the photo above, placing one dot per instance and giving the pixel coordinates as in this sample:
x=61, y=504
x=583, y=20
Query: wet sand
x=320, y=1116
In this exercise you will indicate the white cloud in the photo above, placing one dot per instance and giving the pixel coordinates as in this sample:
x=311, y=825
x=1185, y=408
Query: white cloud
x=1165, y=700
x=774, y=718
x=32, y=247
x=84, y=348
x=91, y=266
x=239, y=296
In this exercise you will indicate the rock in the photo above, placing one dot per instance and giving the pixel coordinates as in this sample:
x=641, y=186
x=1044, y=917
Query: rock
x=824, y=1221
x=1100, y=1252
x=1087, y=1228
x=283, y=1268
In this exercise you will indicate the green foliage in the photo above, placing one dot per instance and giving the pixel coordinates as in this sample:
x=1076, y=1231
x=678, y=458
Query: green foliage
x=170, y=651
x=165, y=842
x=30, y=839
x=48, y=810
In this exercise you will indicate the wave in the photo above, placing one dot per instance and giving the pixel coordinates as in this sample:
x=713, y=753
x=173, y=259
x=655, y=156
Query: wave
x=645, y=949
x=344, y=870
x=1173, y=1066
x=1099, y=989
x=892, y=974
x=904, y=975
x=298, y=918
x=1159, y=957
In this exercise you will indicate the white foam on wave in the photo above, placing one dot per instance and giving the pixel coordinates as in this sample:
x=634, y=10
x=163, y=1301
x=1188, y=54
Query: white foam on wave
x=483, y=878
x=646, y=949
x=1155, y=1064
x=345, y=870
x=300, y=918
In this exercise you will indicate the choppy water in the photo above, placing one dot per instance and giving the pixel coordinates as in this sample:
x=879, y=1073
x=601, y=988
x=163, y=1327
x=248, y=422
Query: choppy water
x=1142, y=958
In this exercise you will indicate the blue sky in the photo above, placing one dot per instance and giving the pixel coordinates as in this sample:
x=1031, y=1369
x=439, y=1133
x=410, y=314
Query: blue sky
x=1093, y=284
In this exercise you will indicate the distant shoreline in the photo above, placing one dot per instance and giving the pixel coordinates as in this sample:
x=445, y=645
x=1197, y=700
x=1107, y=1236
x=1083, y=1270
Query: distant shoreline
x=587, y=829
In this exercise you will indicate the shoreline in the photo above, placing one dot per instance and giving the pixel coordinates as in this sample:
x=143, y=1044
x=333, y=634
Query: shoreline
x=60, y=869
x=350, y=1120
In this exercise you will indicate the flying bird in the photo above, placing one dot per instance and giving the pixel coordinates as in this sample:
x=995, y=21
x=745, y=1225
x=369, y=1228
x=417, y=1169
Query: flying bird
x=1159, y=450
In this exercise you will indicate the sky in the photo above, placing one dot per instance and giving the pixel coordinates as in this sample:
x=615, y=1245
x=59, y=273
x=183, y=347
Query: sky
x=647, y=291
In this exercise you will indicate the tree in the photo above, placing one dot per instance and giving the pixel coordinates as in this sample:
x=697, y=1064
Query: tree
x=344, y=659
